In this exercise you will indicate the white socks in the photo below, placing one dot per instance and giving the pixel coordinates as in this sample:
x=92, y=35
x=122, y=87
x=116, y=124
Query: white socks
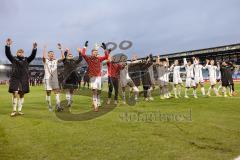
x=216, y=91
x=48, y=99
x=203, y=91
x=14, y=104
x=179, y=90
x=57, y=99
x=98, y=100
x=68, y=96
x=194, y=92
x=224, y=90
x=219, y=87
x=20, y=104
x=135, y=89
x=94, y=98
x=175, y=91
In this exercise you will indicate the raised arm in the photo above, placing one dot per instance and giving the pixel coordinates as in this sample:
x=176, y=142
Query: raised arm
x=218, y=66
x=59, y=46
x=106, y=52
x=61, y=51
x=167, y=62
x=172, y=67
x=80, y=58
x=158, y=60
x=8, y=50
x=185, y=61
x=207, y=64
x=84, y=50
x=194, y=60
x=44, y=54
x=33, y=54
x=83, y=53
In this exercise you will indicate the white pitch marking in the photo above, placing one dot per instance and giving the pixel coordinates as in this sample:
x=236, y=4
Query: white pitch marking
x=238, y=158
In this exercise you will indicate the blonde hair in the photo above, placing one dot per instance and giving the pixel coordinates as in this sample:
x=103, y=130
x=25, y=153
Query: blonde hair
x=20, y=50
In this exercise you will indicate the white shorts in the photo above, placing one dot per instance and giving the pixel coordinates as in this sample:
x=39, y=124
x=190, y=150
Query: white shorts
x=125, y=81
x=190, y=83
x=198, y=80
x=177, y=80
x=213, y=81
x=96, y=83
x=162, y=82
x=51, y=84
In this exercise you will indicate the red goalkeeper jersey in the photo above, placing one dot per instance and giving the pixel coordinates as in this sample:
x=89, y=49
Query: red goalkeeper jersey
x=114, y=69
x=94, y=63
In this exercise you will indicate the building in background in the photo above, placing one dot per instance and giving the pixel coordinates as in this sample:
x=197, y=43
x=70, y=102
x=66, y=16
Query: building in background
x=229, y=52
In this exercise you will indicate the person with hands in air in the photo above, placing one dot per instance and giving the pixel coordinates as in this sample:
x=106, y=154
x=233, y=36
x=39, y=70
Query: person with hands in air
x=113, y=78
x=50, y=79
x=212, y=69
x=19, y=79
x=94, y=62
x=70, y=73
x=163, y=77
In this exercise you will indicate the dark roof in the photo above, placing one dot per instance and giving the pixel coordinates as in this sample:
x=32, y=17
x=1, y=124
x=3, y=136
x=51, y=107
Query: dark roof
x=225, y=48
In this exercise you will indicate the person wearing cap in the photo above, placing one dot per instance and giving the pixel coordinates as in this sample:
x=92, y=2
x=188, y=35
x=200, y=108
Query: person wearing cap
x=19, y=79
x=94, y=62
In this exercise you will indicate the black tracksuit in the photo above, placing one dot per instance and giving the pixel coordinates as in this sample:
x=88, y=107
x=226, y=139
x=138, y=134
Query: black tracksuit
x=113, y=83
x=226, y=75
x=145, y=77
x=134, y=70
x=70, y=73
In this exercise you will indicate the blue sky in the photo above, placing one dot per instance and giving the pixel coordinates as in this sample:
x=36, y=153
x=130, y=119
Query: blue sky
x=156, y=26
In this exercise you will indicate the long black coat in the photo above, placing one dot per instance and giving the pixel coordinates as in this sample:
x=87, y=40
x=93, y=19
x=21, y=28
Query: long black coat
x=19, y=79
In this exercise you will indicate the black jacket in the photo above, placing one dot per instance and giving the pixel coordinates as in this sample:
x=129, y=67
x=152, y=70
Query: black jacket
x=19, y=79
x=70, y=73
x=226, y=75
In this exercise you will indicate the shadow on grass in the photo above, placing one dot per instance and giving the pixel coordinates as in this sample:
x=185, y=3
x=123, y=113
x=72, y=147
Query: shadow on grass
x=67, y=115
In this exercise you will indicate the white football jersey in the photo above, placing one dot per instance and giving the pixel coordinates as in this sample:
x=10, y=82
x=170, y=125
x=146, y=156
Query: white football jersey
x=212, y=71
x=198, y=70
x=189, y=71
x=50, y=68
x=124, y=73
x=176, y=71
x=162, y=72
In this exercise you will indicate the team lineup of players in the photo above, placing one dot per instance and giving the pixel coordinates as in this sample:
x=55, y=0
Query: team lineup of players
x=130, y=74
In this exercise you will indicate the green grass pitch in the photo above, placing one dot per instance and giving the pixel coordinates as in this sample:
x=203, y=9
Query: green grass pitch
x=211, y=133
